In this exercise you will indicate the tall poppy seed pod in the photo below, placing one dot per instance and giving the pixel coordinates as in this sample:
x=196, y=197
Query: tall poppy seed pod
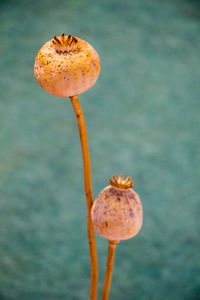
x=117, y=211
x=66, y=66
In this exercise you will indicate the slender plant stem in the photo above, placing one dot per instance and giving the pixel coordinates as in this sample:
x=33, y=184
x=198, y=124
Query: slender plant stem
x=89, y=197
x=109, y=269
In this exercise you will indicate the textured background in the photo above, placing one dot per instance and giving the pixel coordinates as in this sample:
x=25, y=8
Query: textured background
x=143, y=120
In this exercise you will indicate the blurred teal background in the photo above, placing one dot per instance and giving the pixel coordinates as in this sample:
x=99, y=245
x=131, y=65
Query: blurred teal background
x=143, y=119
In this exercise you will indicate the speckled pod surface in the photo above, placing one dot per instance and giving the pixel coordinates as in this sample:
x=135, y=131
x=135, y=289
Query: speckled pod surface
x=66, y=66
x=117, y=213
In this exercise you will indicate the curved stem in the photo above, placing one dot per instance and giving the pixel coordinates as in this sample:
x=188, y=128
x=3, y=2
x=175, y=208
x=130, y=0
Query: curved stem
x=89, y=197
x=109, y=269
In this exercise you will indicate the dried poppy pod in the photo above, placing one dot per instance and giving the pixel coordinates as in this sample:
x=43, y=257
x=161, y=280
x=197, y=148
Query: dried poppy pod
x=66, y=66
x=117, y=210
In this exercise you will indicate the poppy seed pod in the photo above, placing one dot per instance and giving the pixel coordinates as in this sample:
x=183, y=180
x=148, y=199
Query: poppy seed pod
x=66, y=66
x=117, y=211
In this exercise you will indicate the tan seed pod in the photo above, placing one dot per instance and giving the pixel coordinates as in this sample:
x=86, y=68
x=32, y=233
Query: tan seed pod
x=66, y=66
x=117, y=211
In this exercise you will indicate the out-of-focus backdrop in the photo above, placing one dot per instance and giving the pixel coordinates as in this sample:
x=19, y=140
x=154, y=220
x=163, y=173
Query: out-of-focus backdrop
x=143, y=120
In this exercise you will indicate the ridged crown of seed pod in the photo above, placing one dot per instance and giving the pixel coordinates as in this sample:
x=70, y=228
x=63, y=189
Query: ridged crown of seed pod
x=66, y=66
x=117, y=211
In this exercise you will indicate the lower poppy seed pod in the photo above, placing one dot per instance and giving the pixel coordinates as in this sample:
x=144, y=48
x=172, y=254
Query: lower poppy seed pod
x=117, y=211
x=66, y=66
